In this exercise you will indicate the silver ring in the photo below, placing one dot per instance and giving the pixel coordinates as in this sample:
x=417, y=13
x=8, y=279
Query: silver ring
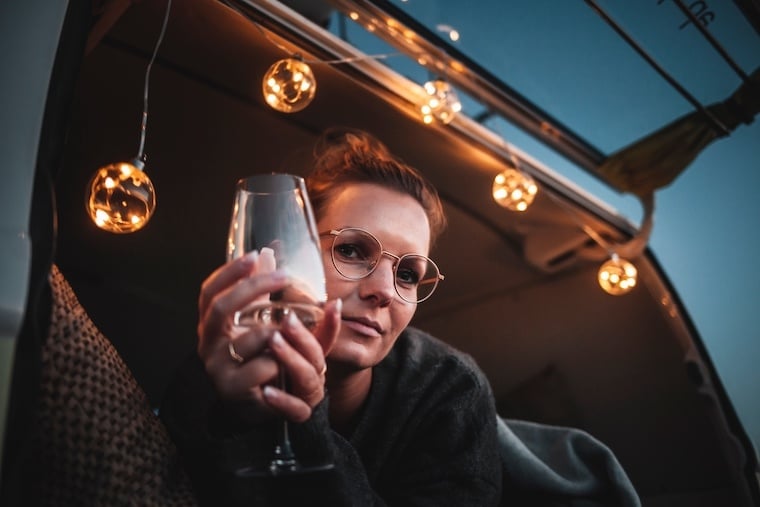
x=234, y=355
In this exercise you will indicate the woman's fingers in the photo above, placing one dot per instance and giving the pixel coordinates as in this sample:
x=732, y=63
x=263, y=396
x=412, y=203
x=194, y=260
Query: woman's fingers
x=313, y=347
x=225, y=279
x=233, y=377
x=245, y=382
x=244, y=363
x=286, y=405
x=217, y=323
x=264, y=355
x=225, y=276
x=327, y=332
x=304, y=373
x=231, y=352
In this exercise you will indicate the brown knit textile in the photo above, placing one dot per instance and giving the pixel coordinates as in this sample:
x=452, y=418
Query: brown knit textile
x=101, y=443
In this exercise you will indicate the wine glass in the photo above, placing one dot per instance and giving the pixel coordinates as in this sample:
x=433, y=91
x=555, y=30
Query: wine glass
x=272, y=214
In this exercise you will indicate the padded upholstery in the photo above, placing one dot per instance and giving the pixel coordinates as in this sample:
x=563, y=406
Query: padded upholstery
x=100, y=442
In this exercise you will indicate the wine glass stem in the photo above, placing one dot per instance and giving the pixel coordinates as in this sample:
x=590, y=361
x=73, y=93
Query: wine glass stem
x=284, y=450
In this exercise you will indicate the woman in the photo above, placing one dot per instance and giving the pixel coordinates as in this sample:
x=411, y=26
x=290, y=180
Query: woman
x=405, y=419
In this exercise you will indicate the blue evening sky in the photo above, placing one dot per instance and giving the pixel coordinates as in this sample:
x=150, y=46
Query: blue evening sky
x=566, y=59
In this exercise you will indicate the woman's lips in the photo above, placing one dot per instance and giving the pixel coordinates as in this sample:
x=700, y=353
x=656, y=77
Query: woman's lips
x=363, y=327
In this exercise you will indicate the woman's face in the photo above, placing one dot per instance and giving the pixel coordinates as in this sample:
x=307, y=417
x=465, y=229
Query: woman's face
x=373, y=314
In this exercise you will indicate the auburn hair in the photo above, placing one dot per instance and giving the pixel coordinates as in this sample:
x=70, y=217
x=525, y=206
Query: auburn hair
x=343, y=156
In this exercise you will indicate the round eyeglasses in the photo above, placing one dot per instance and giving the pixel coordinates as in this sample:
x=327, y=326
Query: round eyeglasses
x=356, y=253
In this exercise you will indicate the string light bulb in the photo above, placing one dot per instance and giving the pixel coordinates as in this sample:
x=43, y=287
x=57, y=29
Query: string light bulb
x=289, y=85
x=442, y=102
x=514, y=190
x=617, y=276
x=120, y=197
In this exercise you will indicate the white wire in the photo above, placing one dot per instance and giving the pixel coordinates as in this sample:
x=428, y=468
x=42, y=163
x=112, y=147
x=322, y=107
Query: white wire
x=144, y=121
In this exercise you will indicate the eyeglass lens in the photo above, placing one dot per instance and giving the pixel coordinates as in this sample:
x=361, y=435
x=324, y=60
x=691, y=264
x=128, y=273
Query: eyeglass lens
x=356, y=253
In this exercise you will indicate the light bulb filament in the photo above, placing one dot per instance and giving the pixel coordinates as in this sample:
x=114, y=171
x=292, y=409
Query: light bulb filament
x=442, y=102
x=513, y=189
x=289, y=85
x=617, y=276
x=121, y=198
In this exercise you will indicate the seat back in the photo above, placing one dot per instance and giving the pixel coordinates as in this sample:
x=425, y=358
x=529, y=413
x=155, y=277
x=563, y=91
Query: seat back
x=96, y=439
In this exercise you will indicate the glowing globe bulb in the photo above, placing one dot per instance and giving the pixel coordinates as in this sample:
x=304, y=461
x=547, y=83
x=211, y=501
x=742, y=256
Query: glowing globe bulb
x=121, y=198
x=442, y=104
x=289, y=85
x=617, y=276
x=513, y=189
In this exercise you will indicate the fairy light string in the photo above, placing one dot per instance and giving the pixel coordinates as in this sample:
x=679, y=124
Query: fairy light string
x=289, y=85
x=120, y=197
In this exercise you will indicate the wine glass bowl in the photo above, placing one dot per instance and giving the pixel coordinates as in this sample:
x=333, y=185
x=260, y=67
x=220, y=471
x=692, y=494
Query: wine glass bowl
x=274, y=313
x=272, y=215
x=272, y=211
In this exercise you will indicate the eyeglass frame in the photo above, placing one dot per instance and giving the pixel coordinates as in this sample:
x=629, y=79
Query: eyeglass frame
x=396, y=261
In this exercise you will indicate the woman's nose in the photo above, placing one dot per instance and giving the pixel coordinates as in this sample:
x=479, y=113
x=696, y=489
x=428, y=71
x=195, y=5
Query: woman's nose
x=380, y=283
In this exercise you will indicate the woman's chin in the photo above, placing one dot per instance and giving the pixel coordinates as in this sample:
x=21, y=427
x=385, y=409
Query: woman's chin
x=356, y=353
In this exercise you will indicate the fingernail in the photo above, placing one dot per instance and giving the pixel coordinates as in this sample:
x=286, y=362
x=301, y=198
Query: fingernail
x=277, y=340
x=267, y=261
x=270, y=392
x=338, y=305
x=267, y=257
x=290, y=319
x=251, y=256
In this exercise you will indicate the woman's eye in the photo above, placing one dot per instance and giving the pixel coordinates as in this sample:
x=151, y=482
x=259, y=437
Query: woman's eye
x=349, y=251
x=407, y=276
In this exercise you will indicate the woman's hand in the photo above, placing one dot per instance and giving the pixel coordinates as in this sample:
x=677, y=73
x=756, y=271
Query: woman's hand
x=261, y=350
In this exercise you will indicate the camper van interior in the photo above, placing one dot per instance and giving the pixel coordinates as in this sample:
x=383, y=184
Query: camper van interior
x=521, y=293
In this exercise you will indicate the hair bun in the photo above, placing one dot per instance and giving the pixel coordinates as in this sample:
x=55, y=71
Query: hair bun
x=357, y=145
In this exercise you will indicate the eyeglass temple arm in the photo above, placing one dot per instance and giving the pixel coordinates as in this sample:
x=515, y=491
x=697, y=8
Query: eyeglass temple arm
x=432, y=280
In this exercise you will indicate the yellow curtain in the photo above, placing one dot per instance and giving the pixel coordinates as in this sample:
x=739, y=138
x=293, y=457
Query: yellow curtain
x=657, y=159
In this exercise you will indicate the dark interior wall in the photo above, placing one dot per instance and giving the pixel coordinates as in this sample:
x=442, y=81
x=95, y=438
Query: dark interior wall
x=199, y=143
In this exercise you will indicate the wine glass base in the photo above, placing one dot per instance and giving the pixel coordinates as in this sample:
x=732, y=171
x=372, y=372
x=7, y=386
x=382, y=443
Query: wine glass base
x=282, y=467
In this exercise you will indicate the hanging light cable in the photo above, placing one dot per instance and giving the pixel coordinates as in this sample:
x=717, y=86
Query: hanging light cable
x=120, y=196
x=618, y=275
